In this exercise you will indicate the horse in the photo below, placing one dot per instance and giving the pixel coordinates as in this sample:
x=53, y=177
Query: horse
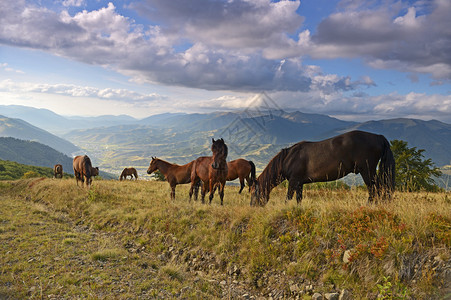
x=211, y=170
x=58, y=171
x=353, y=152
x=129, y=172
x=174, y=174
x=241, y=168
x=83, y=169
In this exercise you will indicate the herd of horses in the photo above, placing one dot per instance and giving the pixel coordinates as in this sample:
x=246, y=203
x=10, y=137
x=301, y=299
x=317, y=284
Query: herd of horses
x=356, y=152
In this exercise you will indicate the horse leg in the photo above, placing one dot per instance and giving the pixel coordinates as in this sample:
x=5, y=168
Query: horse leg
x=370, y=181
x=290, y=192
x=242, y=184
x=248, y=182
x=212, y=191
x=299, y=189
x=172, y=191
x=194, y=188
x=221, y=192
x=204, y=191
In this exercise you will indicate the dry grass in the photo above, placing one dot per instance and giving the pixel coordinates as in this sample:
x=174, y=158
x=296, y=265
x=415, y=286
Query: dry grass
x=129, y=240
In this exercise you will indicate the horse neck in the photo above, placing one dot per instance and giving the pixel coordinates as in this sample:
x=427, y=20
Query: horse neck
x=270, y=178
x=163, y=166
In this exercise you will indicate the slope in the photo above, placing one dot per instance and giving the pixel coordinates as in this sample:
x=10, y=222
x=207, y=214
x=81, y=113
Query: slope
x=20, y=129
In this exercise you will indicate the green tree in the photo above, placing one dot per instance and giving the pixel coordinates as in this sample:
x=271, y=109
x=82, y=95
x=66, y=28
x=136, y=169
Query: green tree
x=159, y=176
x=413, y=173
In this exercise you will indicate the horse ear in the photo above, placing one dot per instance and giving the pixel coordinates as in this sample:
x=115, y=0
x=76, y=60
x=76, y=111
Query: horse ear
x=213, y=140
x=222, y=140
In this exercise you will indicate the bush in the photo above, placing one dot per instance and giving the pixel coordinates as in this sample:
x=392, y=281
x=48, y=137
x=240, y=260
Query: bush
x=30, y=174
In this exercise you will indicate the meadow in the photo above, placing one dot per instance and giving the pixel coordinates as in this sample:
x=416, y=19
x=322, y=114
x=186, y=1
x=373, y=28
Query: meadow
x=128, y=240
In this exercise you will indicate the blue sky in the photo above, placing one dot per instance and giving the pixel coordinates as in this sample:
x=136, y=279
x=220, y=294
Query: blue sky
x=352, y=59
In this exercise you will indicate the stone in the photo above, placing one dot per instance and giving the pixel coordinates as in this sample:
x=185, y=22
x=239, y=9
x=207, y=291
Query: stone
x=331, y=296
x=317, y=296
x=347, y=256
x=345, y=295
x=294, y=288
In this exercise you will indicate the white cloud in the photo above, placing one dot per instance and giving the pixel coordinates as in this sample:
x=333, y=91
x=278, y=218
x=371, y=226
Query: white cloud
x=78, y=91
x=239, y=45
x=5, y=67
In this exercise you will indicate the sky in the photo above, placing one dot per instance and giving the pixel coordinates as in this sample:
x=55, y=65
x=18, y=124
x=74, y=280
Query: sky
x=351, y=59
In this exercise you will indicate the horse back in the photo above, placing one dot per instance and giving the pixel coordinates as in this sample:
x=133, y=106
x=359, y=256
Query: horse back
x=334, y=157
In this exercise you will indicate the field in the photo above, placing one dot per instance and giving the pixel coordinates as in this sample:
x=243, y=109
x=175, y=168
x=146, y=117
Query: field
x=127, y=240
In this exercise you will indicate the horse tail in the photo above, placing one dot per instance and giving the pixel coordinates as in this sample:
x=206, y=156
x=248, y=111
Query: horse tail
x=136, y=173
x=386, y=174
x=87, y=166
x=252, y=171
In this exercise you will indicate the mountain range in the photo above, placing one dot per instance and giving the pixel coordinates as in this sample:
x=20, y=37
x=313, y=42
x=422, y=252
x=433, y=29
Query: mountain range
x=20, y=129
x=121, y=141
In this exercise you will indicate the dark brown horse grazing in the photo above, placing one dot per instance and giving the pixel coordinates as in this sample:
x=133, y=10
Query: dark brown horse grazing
x=83, y=169
x=58, y=171
x=306, y=162
x=212, y=170
x=175, y=174
x=129, y=172
x=241, y=168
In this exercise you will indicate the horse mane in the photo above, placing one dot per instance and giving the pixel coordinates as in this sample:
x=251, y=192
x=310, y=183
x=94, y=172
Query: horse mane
x=272, y=175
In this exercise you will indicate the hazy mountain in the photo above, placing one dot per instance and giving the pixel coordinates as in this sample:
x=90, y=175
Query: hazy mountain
x=433, y=136
x=20, y=129
x=57, y=124
x=120, y=141
x=42, y=118
x=33, y=153
x=182, y=137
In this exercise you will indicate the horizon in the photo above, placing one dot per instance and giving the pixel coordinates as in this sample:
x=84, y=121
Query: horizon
x=347, y=59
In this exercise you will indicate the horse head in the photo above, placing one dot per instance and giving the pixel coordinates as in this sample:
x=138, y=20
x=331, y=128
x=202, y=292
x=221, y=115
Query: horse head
x=258, y=197
x=220, y=151
x=95, y=171
x=153, y=165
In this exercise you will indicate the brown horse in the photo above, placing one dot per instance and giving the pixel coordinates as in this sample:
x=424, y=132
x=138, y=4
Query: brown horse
x=212, y=170
x=306, y=162
x=58, y=171
x=129, y=172
x=83, y=169
x=241, y=168
x=174, y=174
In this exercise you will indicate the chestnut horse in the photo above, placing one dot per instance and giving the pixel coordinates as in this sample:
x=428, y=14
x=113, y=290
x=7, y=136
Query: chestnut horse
x=211, y=170
x=83, y=169
x=129, y=172
x=174, y=174
x=241, y=168
x=58, y=171
x=331, y=159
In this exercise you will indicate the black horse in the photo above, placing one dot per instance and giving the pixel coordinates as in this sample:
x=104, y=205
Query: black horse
x=305, y=162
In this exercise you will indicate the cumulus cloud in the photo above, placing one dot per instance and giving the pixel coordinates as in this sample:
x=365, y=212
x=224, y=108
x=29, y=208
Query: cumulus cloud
x=239, y=45
x=411, y=37
x=78, y=91
x=225, y=40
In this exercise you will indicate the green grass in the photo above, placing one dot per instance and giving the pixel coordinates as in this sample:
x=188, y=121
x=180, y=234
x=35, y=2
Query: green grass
x=129, y=240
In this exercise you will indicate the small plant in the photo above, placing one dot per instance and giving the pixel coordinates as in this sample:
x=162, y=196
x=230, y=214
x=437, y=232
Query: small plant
x=30, y=174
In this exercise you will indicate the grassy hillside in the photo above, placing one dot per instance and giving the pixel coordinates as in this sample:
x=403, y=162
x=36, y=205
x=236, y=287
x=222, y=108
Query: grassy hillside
x=33, y=153
x=127, y=240
x=10, y=170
